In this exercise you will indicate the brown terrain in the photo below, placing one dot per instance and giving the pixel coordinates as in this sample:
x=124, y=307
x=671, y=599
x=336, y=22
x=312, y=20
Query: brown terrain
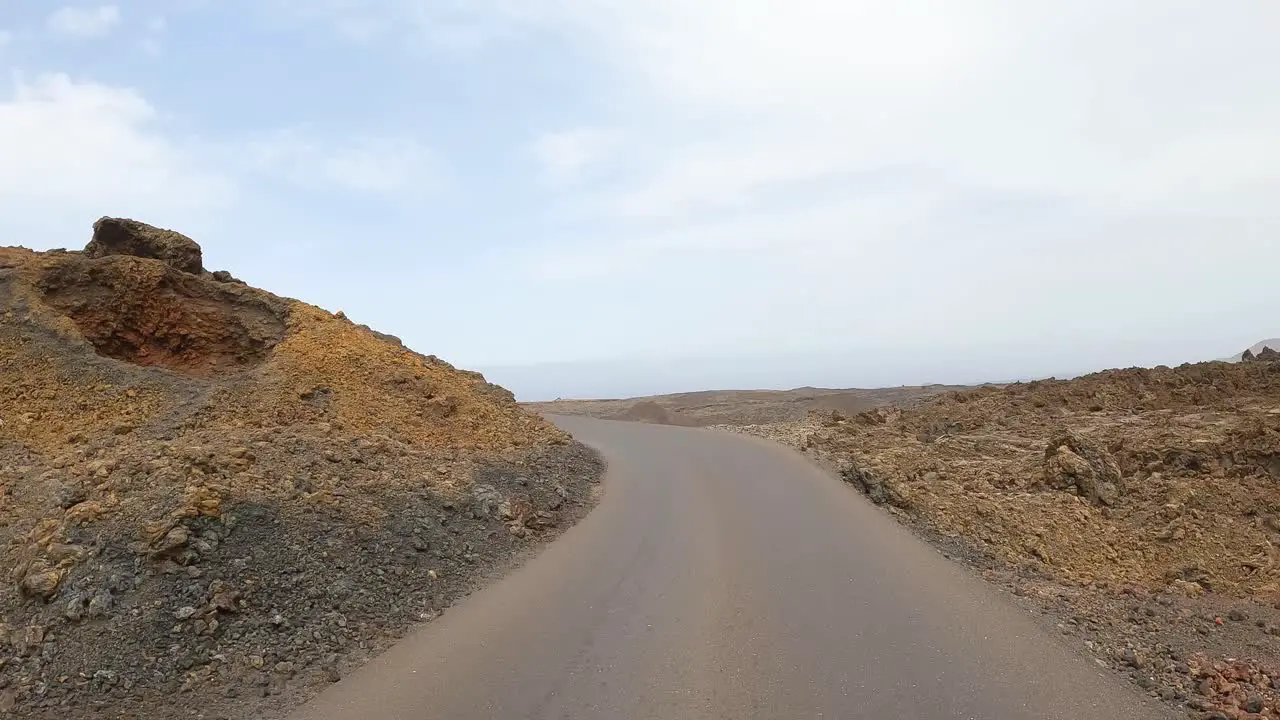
x=1136, y=510
x=739, y=407
x=214, y=501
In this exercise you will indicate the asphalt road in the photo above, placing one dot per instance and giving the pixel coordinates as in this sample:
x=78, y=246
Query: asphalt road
x=723, y=577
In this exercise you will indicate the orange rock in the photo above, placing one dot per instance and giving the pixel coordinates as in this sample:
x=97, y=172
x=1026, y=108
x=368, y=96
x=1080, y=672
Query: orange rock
x=83, y=513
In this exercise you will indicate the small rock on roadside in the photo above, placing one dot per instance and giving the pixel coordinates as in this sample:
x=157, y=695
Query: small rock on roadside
x=101, y=604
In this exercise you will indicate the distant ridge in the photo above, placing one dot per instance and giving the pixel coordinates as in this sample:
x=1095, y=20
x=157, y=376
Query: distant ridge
x=1273, y=343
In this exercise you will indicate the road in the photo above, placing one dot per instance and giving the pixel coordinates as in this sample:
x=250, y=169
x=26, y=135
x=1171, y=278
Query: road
x=724, y=577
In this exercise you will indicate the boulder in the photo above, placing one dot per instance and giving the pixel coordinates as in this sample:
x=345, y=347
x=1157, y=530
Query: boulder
x=40, y=582
x=121, y=236
x=880, y=491
x=1073, y=463
x=223, y=276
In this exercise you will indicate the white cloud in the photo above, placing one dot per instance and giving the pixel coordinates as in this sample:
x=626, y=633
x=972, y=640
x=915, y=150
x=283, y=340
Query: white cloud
x=380, y=165
x=6, y=37
x=80, y=149
x=733, y=103
x=85, y=22
x=1053, y=98
x=76, y=150
x=567, y=155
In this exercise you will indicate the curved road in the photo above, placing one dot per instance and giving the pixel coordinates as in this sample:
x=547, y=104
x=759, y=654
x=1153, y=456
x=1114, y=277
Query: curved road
x=724, y=577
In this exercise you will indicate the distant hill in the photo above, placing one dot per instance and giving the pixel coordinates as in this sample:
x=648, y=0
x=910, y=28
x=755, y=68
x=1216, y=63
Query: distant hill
x=740, y=407
x=1273, y=343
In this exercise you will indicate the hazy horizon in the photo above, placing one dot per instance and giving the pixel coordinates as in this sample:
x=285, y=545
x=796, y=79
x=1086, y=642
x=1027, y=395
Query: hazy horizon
x=886, y=367
x=645, y=196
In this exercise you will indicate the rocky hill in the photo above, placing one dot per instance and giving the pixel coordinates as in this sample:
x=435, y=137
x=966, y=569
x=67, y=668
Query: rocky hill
x=1138, y=510
x=213, y=497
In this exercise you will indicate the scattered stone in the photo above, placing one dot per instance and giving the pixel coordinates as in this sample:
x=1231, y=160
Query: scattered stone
x=175, y=539
x=41, y=583
x=225, y=601
x=517, y=508
x=32, y=637
x=101, y=604
x=485, y=501
x=76, y=608
x=70, y=495
x=60, y=553
x=543, y=519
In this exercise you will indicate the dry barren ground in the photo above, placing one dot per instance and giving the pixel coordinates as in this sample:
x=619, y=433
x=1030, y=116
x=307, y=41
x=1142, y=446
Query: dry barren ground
x=1137, y=510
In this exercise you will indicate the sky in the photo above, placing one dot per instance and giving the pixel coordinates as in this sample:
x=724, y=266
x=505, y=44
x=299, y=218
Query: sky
x=620, y=197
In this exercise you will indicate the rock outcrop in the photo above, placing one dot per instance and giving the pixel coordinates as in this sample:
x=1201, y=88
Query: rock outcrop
x=121, y=236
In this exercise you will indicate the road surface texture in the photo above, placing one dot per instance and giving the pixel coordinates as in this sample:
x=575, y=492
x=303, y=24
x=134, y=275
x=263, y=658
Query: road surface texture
x=725, y=577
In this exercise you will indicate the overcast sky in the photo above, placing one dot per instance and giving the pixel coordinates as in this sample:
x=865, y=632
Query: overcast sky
x=650, y=195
